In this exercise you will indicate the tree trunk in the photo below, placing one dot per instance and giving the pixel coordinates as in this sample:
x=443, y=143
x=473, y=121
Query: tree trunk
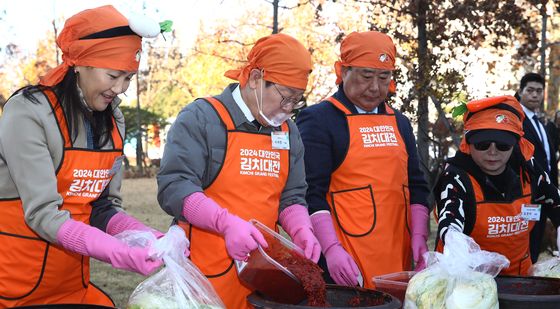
x=275, y=17
x=553, y=86
x=544, y=18
x=139, y=152
x=423, y=80
x=55, y=31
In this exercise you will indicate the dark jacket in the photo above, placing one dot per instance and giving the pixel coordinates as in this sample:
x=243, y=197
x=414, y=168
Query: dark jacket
x=540, y=153
x=531, y=134
x=456, y=204
x=324, y=132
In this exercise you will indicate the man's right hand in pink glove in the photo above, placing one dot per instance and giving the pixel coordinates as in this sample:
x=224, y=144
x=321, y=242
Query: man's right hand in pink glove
x=86, y=240
x=342, y=267
x=241, y=237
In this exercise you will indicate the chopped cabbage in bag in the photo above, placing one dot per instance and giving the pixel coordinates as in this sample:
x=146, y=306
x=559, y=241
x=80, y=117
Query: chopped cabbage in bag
x=548, y=268
x=460, y=278
x=179, y=285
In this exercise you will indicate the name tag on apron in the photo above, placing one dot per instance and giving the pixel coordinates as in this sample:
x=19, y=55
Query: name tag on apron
x=531, y=212
x=280, y=140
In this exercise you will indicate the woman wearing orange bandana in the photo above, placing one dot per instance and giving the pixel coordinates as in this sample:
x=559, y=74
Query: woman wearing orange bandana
x=492, y=189
x=237, y=156
x=61, y=150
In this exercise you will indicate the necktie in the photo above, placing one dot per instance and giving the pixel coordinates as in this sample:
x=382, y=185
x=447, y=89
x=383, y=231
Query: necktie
x=537, y=124
x=541, y=137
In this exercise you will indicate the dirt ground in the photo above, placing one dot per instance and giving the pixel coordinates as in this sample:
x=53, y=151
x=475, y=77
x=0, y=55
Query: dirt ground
x=139, y=196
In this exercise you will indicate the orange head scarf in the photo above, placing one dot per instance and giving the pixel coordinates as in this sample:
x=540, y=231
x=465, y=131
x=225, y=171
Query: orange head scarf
x=121, y=52
x=283, y=59
x=370, y=49
x=497, y=113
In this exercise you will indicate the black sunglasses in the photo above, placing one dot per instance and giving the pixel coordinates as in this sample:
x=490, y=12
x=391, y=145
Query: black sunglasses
x=482, y=146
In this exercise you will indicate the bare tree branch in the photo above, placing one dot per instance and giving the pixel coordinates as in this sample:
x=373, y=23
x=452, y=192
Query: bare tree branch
x=290, y=7
x=385, y=4
x=236, y=42
x=218, y=56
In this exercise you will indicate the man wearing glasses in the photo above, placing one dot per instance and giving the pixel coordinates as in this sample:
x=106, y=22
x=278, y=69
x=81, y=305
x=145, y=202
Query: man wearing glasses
x=237, y=156
x=492, y=189
x=367, y=195
x=531, y=95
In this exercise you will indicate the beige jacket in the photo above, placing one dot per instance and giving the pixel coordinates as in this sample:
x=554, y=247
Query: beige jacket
x=31, y=149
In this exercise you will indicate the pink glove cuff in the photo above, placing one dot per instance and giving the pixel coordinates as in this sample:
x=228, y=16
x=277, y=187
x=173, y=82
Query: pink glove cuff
x=201, y=211
x=121, y=222
x=241, y=237
x=72, y=236
x=294, y=218
x=86, y=240
x=324, y=230
x=419, y=220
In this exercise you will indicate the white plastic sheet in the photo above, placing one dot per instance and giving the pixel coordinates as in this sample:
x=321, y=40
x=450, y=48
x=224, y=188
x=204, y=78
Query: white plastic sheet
x=461, y=277
x=179, y=285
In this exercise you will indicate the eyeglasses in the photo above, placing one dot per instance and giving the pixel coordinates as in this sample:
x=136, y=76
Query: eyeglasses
x=483, y=146
x=295, y=103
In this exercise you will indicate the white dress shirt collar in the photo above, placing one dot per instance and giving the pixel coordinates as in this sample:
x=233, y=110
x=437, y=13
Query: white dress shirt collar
x=242, y=105
x=361, y=111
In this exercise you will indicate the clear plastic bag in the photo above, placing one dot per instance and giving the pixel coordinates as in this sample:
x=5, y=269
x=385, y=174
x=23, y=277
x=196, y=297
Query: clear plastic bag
x=179, y=285
x=461, y=277
x=547, y=268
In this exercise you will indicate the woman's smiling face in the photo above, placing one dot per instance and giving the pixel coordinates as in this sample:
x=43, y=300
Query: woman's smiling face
x=100, y=86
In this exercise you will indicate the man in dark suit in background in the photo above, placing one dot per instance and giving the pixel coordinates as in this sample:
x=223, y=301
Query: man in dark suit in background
x=531, y=95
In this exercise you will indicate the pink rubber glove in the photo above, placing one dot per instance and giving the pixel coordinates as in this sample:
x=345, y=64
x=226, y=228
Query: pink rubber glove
x=241, y=237
x=558, y=238
x=342, y=267
x=295, y=220
x=121, y=222
x=419, y=228
x=86, y=240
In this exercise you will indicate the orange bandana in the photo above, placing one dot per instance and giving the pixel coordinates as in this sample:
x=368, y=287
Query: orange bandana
x=370, y=49
x=498, y=113
x=117, y=53
x=283, y=59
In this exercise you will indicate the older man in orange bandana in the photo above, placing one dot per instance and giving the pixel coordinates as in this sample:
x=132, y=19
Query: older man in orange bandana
x=367, y=195
x=237, y=156
x=492, y=190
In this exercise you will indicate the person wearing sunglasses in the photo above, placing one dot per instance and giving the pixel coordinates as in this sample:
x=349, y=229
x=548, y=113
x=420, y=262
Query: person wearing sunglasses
x=238, y=156
x=367, y=195
x=492, y=189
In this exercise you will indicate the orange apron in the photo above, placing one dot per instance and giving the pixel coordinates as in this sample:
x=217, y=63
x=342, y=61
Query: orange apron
x=369, y=197
x=500, y=228
x=249, y=185
x=34, y=271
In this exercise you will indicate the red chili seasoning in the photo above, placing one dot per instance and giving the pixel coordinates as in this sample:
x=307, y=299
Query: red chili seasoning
x=308, y=273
